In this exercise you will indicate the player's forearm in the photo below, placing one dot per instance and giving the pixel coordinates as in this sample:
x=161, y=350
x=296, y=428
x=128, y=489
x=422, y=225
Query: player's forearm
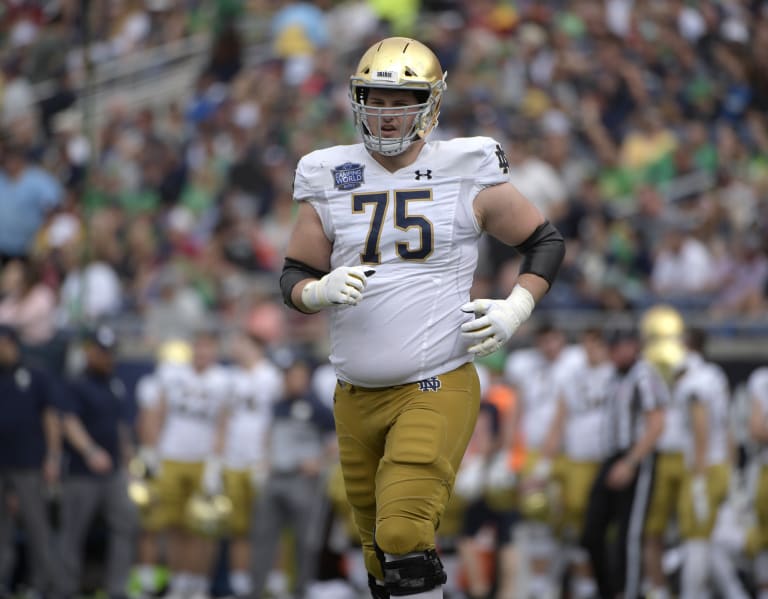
x=222, y=425
x=296, y=296
x=700, y=454
x=150, y=425
x=758, y=430
x=554, y=435
x=700, y=438
x=536, y=285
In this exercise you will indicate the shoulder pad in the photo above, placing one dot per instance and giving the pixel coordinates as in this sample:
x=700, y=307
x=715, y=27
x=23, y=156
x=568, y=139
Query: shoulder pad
x=316, y=171
x=480, y=158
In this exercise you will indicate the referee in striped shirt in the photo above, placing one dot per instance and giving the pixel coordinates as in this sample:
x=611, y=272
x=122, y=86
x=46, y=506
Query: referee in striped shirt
x=622, y=487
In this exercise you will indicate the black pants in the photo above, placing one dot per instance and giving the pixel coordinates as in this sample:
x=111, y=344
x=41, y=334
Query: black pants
x=613, y=530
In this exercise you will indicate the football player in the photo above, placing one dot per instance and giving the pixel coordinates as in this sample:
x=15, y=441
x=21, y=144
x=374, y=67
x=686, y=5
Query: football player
x=257, y=384
x=758, y=392
x=534, y=373
x=485, y=482
x=658, y=323
x=703, y=389
x=579, y=430
x=145, y=467
x=386, y=239
x=190, y=430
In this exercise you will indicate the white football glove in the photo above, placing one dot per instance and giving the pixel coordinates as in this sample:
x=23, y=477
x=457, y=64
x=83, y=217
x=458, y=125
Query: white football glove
x=500, y=475
x=497, y=320
x=342, y=286
x=700, y=498
x=542, y=470
x=150, y=459
x=470, y=479
x=212, y=476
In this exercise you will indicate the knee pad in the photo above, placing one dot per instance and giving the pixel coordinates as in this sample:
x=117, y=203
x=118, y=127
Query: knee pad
x=400, y=536
x=413, y=573
x=378, y=591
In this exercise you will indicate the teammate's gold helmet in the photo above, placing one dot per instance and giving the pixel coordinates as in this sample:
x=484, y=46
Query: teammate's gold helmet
x=661, y=321
x=208, y=515
x=397, y=63
x=667, y=355
x=141, y=490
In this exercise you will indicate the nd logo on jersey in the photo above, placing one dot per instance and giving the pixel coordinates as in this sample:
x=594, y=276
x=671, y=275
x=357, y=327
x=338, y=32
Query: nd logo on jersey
x=430, y=384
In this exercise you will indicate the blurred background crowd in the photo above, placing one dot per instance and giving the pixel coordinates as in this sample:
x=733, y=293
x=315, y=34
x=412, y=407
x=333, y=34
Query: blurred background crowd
x=155, y=169
x=147, y=150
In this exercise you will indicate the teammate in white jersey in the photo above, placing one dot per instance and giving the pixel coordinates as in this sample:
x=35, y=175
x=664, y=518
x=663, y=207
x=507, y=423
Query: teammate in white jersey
x=387, y=239
x=703, y=389
x=256, y=384
x=757, y=387
x=534, y=373
x=580, y=429
x=190, y=430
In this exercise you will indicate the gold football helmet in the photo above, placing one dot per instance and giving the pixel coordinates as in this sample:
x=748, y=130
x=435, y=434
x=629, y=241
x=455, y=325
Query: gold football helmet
x=141, y=489
x=208, y=515
x=661, y=321
x=397, y=63
x=667, y=355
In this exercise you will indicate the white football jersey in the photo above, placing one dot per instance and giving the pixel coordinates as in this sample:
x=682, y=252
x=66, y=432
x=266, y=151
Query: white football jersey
x=148, y=392
x=674, y=438
x=192, y=401
x=705, y=382
x=536, y=380
x=757, y=387
x=586, y=389
x=254, y=392
x=149, y=389
x=417, y=230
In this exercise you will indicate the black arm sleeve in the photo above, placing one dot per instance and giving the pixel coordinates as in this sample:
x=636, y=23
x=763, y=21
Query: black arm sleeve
x=293, y=272
x=542, y=252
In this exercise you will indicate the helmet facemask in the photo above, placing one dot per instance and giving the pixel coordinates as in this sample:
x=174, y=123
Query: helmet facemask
x=422, y=116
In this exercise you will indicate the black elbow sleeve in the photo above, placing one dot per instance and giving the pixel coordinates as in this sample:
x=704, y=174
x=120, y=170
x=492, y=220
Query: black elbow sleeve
x=543, y=252
x=295, y=271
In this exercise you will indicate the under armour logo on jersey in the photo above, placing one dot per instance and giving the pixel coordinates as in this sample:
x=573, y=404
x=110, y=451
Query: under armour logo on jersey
x=430, y=384
x=503, y=162
x=428, y=174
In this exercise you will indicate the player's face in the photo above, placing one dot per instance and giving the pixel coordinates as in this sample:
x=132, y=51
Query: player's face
x=595, y=348
x=244, y=349
x=550, y=344
x=205, y=351
x=391, y=120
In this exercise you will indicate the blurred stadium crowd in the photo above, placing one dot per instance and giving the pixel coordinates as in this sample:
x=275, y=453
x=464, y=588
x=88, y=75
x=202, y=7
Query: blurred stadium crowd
x=639, y=128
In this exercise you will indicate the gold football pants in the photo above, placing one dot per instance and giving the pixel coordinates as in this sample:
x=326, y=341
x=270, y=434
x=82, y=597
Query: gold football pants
x=761, y=507
x=718, y=478
x=400, y=448
x=668, y=477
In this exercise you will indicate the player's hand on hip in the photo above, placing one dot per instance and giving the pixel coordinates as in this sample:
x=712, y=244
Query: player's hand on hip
x=496, y=320
x=342, y=286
